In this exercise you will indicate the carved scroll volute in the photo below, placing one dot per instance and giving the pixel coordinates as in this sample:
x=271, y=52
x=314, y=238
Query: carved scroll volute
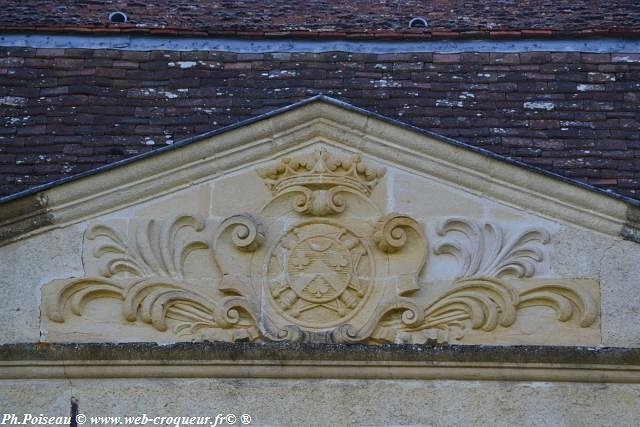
x=318, y=202
x=237, y=238
x=402, y=239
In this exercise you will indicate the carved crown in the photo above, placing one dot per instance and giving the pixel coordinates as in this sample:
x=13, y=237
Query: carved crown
x=321, y=169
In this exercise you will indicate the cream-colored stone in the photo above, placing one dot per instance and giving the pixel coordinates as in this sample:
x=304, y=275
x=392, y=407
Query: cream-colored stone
x=145, y=266
x=613, y=261
x=24, y=267
x=578, y=252
x=240, y=192
x=424, y=197
x=102, y=321
x=195, y=198
x=320, y=261
x=338, y=402
x=34, y=397
x=620, y=274
x=490, y=248
x=220, y=240
x=547, y=312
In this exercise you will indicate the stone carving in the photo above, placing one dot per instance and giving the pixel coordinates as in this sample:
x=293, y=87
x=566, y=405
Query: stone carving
x=484, y=303
x=155, y=302
x=323, y=169
x=151, y=248
x=485, y=250
x=248, y=233
x=321, y=263
x=146, y=270
x=318, y=274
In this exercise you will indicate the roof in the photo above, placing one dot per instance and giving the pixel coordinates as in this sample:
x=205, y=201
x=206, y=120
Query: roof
x=331, y=18
x=65, y=111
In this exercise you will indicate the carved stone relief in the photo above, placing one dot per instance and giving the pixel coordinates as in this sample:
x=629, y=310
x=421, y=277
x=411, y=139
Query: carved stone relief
x=321, y=263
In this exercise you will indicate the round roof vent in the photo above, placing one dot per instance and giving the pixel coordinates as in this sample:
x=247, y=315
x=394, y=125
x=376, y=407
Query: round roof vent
x=117, y=17
x=418, y=22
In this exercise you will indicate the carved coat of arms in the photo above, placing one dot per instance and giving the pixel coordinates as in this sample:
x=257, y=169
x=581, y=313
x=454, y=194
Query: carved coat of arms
x=320, y=260
x=321, y=263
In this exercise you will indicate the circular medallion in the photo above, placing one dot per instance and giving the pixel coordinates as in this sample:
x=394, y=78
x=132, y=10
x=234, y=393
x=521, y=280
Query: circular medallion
x=319, y=274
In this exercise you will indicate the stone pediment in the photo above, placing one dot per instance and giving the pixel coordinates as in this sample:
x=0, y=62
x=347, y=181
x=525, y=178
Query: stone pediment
x=325, y=224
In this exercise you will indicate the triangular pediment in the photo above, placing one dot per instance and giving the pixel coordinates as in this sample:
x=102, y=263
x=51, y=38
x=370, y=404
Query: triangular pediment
x=317, y=120
x=322, y=222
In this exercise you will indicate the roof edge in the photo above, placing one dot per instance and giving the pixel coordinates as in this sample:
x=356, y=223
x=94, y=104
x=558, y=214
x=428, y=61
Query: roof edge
x=176, y=145
x=577, y=203
x=386, y=34
x=332, y=101
x=293, y=45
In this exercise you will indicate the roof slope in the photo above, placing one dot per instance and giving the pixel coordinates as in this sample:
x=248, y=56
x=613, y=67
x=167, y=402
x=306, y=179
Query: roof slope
x=66, y=111
x=331, y=18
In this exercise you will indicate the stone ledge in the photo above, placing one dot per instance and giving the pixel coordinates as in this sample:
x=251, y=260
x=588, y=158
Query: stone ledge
x=242, y=351
x=280, y=360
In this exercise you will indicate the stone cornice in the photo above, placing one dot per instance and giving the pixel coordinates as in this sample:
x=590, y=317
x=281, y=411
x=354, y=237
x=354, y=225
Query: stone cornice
x=280, y=360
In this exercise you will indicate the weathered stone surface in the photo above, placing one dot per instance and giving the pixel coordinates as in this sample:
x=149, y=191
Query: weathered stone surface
x=27, y=265
x=580, y=253
x=337, y=402
x=529, y=270
x=324, y=225
x=283, y=352
x=306, y=255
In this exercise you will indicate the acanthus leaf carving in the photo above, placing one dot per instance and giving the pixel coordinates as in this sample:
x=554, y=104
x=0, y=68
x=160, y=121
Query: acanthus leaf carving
x=486, y=304
x=485, y=250
x=153, y=248
x=567, y=303
x=154, y=302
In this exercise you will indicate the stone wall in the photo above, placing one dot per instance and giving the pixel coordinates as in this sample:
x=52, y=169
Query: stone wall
x=434, y=243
